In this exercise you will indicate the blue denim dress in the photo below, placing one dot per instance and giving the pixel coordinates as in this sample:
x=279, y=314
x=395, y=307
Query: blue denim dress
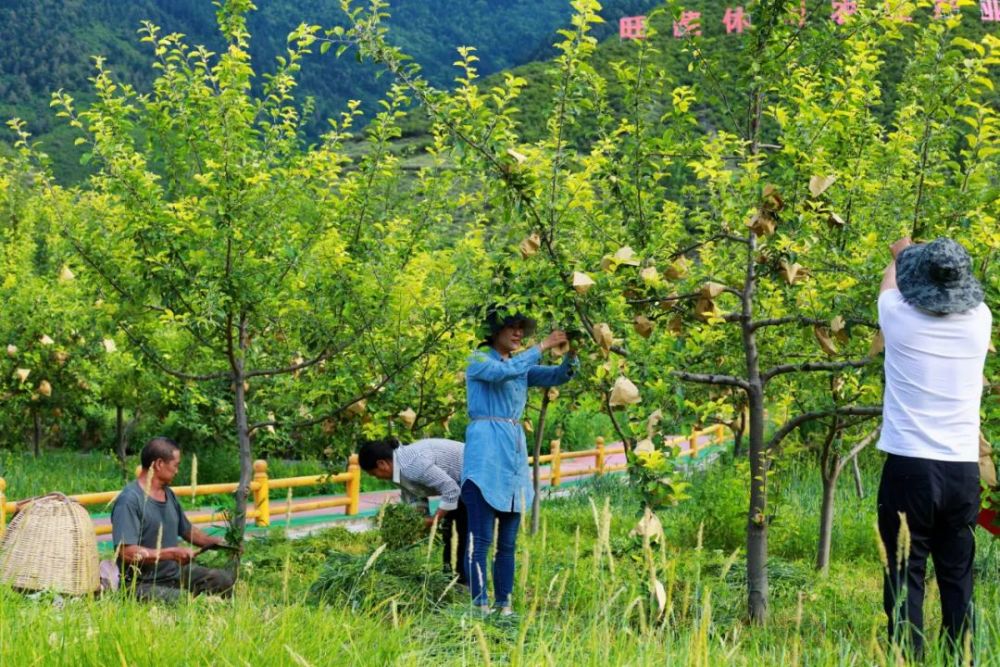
x=496, y=452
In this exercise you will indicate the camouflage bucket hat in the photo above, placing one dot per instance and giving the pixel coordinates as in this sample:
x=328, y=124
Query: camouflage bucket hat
x=937, y=277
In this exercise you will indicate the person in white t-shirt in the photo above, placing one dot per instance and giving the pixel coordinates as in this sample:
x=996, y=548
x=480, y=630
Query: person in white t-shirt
x=937, y=331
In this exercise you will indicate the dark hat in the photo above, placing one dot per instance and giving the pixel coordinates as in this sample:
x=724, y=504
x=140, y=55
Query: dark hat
x=937, y=277
x=498, y=318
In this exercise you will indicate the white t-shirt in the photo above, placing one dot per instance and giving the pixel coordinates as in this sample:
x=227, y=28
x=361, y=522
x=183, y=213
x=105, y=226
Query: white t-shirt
x=933, y=380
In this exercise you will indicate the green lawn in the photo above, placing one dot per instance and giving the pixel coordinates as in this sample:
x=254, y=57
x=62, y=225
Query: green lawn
x=581, y=600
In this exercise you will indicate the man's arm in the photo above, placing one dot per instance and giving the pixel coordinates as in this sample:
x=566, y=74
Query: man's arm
x=889, y=275
x=434, y=477
x=200, y=538
x=187, y=531
x=139, y=555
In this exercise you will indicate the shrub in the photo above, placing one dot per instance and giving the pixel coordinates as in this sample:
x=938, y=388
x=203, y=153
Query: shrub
x=400, y=525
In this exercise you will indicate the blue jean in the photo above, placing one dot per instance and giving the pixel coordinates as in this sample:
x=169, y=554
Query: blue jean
x=482, y=516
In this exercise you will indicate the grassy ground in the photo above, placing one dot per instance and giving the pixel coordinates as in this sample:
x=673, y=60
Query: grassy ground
x=585, y=592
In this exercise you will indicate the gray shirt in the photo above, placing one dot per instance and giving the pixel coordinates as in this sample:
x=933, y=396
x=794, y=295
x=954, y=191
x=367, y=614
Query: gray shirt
x=429, y=467
x=140, y=520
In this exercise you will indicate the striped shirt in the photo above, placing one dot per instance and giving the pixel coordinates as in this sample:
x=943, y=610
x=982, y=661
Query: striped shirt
x=429, y=467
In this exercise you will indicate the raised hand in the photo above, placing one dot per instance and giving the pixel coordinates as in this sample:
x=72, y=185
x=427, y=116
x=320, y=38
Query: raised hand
x=554, y=339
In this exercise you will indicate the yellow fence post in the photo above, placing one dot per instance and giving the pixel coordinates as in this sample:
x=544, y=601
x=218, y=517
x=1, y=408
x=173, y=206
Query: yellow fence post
x=720, y=434
x=354, y=485
x=600, y=455
x=555, y=476
x=3, y=506
x=693, y=443
x=261, y=494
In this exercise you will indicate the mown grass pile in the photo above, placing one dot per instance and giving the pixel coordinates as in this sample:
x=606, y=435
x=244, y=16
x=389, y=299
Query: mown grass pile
x=586, y=593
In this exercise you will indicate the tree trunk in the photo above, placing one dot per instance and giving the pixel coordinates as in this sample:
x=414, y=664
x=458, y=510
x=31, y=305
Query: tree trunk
x=242, y=431
x=536, y=481
x=831, y=466
x=757, y=515
x=757, y=586
x=859, y=485
x=826, y=518
x=122, y=433
x=739, y=428
x=36, y=434
x=120, y=439
x=245, y=452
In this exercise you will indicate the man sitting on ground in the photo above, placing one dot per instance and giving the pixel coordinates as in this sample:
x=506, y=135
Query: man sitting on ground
x=431, y=467
x=146, y=524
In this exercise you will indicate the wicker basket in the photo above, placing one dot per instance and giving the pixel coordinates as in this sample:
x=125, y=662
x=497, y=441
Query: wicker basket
x=50, y=544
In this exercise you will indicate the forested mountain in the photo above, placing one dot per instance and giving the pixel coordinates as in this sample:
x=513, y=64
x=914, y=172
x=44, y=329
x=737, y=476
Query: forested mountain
x=49, y=44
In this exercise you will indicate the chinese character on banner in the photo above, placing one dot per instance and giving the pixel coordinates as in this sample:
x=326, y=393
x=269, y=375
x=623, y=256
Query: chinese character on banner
x=943, y=8
x=990, y=10
x=632, y=27
x=897, y=12
x=798, y=16
x=735, y=20
x=690, y=24
x=842, y=9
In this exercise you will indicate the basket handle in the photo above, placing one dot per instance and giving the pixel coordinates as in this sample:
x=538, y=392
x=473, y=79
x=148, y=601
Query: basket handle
x=21, y=504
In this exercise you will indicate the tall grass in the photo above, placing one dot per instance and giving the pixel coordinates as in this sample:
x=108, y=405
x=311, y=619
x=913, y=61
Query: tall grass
x=587, y=593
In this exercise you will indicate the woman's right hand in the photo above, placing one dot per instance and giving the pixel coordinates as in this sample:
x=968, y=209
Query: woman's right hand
x=554, y=339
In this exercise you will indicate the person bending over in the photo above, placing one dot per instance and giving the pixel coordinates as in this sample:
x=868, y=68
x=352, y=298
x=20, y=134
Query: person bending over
x=429, y=467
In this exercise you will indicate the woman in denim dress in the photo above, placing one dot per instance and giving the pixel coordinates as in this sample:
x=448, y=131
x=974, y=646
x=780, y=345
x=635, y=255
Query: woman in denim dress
x=496, y=486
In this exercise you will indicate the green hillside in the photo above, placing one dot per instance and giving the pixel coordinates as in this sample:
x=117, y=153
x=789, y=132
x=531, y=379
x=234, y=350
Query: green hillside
x=674, y=55
x=49, y=45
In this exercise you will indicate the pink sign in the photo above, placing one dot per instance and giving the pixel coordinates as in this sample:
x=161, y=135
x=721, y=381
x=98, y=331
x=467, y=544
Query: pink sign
x=736, y=20
x=798, y=15
x=990, y=10
x=632, y=27
x=689, y=24
x=944, y=8
x=842, y=9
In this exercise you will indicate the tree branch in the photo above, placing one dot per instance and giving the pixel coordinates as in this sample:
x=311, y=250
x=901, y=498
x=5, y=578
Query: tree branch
x=795, y=422
x=155, y=358
x=813, y=366
x=807, y=321
x=661, y=299
x=704, y=378
x=326, y=354
x=716, y=237
x=371, y=391
x=864, y=442
x=626, y=442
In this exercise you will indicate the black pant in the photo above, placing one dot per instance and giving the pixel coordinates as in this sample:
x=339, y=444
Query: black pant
x=194, y=579
x=940, y=500
x=456, y=521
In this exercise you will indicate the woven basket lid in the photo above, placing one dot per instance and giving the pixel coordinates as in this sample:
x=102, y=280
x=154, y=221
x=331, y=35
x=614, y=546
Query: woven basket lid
x=51, y=545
